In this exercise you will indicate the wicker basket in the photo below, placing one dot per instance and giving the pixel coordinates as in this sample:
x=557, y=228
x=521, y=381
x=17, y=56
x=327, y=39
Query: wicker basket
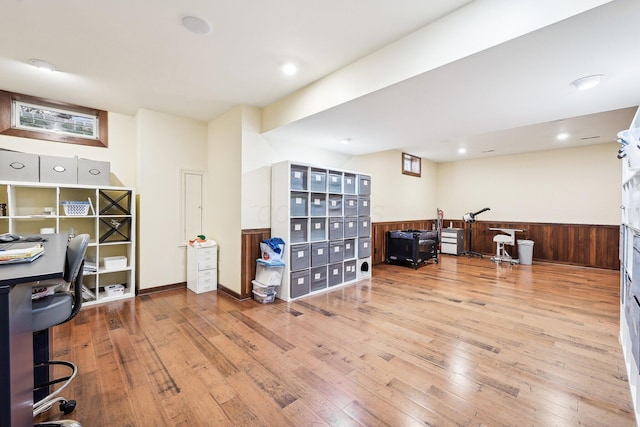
x=78, y=208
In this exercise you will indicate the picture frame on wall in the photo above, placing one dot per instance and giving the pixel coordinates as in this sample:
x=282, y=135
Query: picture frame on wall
x=411, y=165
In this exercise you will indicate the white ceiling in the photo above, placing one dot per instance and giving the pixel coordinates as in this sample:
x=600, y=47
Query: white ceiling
x=122, y=55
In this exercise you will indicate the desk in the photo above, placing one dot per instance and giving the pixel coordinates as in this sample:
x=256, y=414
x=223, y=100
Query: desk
x=16, y=336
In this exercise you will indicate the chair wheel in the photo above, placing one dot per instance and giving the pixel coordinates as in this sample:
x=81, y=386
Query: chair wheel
x=68, y=406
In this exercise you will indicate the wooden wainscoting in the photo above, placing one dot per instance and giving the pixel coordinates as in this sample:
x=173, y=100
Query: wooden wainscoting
x=576, y=244
x=250, y=253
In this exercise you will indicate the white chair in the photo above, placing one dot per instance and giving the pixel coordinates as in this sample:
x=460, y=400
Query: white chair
x=507, y=237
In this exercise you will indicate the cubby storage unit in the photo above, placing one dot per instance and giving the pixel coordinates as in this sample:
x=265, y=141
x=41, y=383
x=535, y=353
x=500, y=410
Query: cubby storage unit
x=324, y=216
x=630, y=261
x=105, y=213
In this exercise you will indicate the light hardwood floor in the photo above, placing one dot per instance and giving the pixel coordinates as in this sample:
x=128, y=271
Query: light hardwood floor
x=463, y=342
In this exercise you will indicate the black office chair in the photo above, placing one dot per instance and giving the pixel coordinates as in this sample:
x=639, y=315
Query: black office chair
x=56, y=309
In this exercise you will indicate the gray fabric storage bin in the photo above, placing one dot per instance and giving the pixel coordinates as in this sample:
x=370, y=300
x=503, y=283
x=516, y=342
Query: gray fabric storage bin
x=349, y=271
x=318, y=204
x=318, y=180
x=319, y=254
x=334, y=205
x=334, y=181
x=350, y=227
x=299, y=204
x=298, y=233
x=364, y=184
x=318, y=229
x=16, y=166
x=336, y=251
x=364, y=226
x=299, y=284
x=350, y=204
x=364, y=205
x=349, y=248
x=300, y=257
x=335, y=274
x=93, y=172
x=336, y=228
x=58, y=170
x=364, y=247
x=349, y=183
x=318, y=278
x=299, y=177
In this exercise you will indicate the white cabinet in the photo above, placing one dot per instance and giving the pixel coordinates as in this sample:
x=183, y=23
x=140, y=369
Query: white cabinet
x=105, y=213
x=452, y=241
x=202, y=267
x=630, y=262
x=324, y=217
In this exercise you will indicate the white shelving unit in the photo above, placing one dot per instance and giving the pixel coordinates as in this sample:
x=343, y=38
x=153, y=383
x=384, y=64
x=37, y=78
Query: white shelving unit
x=630, y=264
x=110, y=225
x=324, y=217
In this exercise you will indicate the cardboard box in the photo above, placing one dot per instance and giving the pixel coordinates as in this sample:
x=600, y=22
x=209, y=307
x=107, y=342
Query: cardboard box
x=17, y=166
x=58, y=170
x=114, y=262
x=93, y=172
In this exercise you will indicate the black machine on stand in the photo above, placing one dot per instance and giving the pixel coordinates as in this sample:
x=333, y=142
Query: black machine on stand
x=470, y=218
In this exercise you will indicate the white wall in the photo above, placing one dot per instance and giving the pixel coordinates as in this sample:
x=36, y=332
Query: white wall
x=572, y=185
x=398, y=197
x=166, y=145
x=121, y=151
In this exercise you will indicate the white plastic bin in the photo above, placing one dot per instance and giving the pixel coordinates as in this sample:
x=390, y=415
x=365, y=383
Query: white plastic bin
x=525, y=250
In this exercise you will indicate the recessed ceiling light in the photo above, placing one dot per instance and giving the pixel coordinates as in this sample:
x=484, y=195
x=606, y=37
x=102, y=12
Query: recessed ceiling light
x=289, y=68
x=196, y=25
x=587, y=82
x=562, y=136
x=462, y=150
x=43, y=65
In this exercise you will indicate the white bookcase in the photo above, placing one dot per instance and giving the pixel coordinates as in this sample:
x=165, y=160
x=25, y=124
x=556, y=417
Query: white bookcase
x=110, y=223
x=630, y=262
x=324, y=217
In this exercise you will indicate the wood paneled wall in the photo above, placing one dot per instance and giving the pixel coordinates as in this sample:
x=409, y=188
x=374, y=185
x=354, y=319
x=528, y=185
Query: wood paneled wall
x=250, y=253
x=576, y=244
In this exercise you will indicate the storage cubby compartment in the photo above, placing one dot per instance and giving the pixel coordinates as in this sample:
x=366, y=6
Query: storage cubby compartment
x=364, y=184
x=31, y=201
x=350, y=227
x=318, y=229
x=336, y=251
x=299, y=204
x=350, y=205
x=319, y=254
x=364, y=207
x=335, y=205
x=349, y=269
x=335, y=274
x=318, y=204
x=335, y=182
x=336, y=228
x=364, y=247
x=300, y=283
x=299, y=177
x=349, y=248
x=300, y=257
x=318, y=278
x=349, y=183
x=364, y=226
x=318, y=180
x=298, y=231
x=26, y=226
x=75, y=226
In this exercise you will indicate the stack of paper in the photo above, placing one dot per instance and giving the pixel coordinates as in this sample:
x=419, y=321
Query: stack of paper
x=27, y=254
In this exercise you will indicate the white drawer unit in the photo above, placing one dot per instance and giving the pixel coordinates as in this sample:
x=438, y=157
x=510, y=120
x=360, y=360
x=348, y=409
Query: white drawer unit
x=202, y=267
x=452, y=241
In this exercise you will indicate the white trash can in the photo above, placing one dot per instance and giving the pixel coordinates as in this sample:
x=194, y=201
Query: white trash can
x=525, y=251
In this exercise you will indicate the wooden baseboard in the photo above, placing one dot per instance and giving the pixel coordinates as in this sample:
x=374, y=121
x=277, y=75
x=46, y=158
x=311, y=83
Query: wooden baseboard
x=161, y=288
